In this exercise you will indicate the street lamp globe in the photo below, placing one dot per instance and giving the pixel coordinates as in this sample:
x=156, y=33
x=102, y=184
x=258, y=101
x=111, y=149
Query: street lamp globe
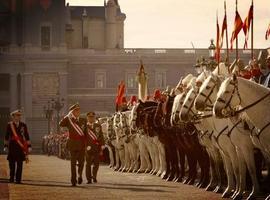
x=204, y=64
x=212, y=49
x=198, y=66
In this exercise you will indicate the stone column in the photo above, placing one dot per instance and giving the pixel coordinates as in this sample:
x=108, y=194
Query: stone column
x=63, y=93
x=62, y=26
x=27, y=94
x=13, y=92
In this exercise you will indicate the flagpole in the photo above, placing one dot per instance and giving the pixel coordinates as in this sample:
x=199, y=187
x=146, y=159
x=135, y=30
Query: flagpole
x=236, y=48
x=252, y=51
x=227, y=43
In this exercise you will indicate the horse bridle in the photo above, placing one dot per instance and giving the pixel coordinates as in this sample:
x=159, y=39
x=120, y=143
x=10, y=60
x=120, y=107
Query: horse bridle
x=228, y=103
x=189, y=108
x=207, y=97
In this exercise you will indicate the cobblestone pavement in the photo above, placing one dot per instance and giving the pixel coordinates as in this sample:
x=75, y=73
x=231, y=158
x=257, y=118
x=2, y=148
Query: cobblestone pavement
x=48, y=178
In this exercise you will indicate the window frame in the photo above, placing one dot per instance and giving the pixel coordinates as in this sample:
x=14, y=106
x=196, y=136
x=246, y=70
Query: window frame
x=164, y=76
x=98, y=72
x=45, y=24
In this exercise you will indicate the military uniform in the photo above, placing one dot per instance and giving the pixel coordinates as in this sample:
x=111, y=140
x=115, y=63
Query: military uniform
x=75, y=143
x=17, y=142
x=94, y=146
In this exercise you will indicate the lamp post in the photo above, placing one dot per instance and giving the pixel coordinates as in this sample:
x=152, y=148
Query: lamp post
x=84, y=16
x=48, y=110
x=212, y=50
x=58, y=105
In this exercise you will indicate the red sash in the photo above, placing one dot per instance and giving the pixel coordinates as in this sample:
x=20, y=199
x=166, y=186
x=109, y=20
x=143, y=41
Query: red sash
x=93, y=136
x=21, y=142
x=77, y=128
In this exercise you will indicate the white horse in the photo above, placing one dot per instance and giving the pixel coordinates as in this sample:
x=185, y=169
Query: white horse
x=107, y=129
x=140, y=141
x=221, y=127
x=237, y=92
x=119, y=143
x=188, y=113
x=240, y=93
x=131, y=149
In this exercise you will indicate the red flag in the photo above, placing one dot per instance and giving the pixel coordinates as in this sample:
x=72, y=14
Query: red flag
x=267, y=34
x=217, y=54
x=246, y=25
x=224, y=27
x=238, y=25
x=120, y=93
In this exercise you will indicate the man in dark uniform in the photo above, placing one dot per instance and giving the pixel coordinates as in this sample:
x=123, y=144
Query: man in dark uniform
x=18, y=145
x=76, y=141
x=94, y=147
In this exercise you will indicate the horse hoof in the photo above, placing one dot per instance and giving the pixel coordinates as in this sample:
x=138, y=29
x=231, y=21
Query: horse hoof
x=178, y=180
x=256, y=195
x=164, y=176
x=204, y=184
x=197, y=184
x=209, y=188
x=238, y=196
x=191, y=182
x=227, y=194
x=170, y=178
x=147, y=171
x=218, y=189
x=186, y=181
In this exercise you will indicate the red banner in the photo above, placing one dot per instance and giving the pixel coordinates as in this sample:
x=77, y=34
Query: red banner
x=217, y=53
x=246, y=25
x=238, y=25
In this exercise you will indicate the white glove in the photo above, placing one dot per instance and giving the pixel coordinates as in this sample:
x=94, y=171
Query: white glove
x=29, y=149
x=88, y=148
x=5, y=149
x=103, y=147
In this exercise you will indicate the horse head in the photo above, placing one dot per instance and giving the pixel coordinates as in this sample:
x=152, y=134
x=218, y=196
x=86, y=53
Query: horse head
x=227, y=98
x=207, y=92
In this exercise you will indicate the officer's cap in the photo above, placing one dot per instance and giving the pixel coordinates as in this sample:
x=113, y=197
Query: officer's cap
x=16, y=112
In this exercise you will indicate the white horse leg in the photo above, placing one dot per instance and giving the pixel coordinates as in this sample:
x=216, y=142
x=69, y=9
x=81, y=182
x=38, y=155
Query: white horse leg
x=121, y=155
x=155, y=140
x=132, y=156
x=117, y=158
x=155, y=156
x=159, y=147
x=110, y=156
x=163, y=159
x=242, y=168
x=229, y=172
x=143, y=155
x=136, y=153
x=127, y=157
x=149, y=152
x=248, y=155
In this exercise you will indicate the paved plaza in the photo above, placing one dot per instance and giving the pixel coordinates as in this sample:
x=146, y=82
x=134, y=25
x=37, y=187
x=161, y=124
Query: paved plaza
x=48, y=178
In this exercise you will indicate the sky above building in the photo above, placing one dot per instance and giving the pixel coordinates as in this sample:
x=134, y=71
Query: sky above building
x=181, y=23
